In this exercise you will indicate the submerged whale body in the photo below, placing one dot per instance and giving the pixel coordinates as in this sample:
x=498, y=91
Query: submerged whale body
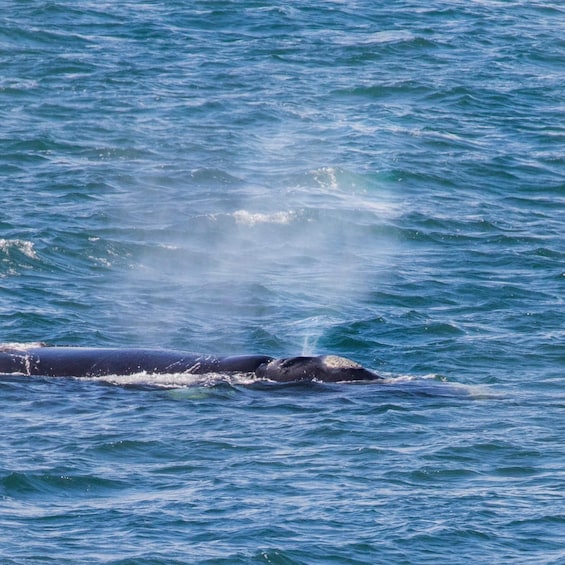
x=100, y=362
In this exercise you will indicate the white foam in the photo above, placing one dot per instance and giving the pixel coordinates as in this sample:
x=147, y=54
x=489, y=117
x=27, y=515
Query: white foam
x=21, y=245
x=174, y=380
x=17, y=346
x=436, y=385
x=379, y=37
x=388, y=36
x=250, y=219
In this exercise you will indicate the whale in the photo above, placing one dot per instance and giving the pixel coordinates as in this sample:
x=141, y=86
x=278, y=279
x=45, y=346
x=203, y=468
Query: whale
x=71, y=361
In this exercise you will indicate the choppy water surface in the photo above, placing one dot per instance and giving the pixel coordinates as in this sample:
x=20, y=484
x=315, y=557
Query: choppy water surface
x=383, y=181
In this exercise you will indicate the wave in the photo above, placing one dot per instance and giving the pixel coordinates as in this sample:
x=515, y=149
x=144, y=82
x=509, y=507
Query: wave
x=8, y=246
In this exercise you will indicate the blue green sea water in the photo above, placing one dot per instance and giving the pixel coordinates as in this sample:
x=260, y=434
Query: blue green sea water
x=379, y=180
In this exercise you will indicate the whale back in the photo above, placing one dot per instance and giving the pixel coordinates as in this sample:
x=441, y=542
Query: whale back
x=96, y=362
x=99, y=362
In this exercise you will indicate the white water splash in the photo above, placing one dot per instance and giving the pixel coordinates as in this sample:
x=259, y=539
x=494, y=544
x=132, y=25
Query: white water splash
x=21, y=245
x=174, y=380
x=23, y=346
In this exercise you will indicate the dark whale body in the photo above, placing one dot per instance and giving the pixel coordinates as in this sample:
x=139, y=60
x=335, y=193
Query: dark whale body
x=100, y=362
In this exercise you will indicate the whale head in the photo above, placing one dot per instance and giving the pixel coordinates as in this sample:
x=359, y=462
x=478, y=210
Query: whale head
x=325, y=368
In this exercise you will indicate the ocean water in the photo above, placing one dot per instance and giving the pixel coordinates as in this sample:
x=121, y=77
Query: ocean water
x=379, y=180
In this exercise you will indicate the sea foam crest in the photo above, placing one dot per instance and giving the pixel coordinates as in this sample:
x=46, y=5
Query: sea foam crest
x=20, y=347
x=250, y=219
x=175, y=380
x=21, y=245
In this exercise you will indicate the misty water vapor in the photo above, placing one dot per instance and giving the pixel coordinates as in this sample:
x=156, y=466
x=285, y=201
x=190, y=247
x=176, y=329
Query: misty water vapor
x=311, y=241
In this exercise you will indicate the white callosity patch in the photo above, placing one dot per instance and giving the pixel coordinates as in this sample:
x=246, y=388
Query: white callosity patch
x=336, y=362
